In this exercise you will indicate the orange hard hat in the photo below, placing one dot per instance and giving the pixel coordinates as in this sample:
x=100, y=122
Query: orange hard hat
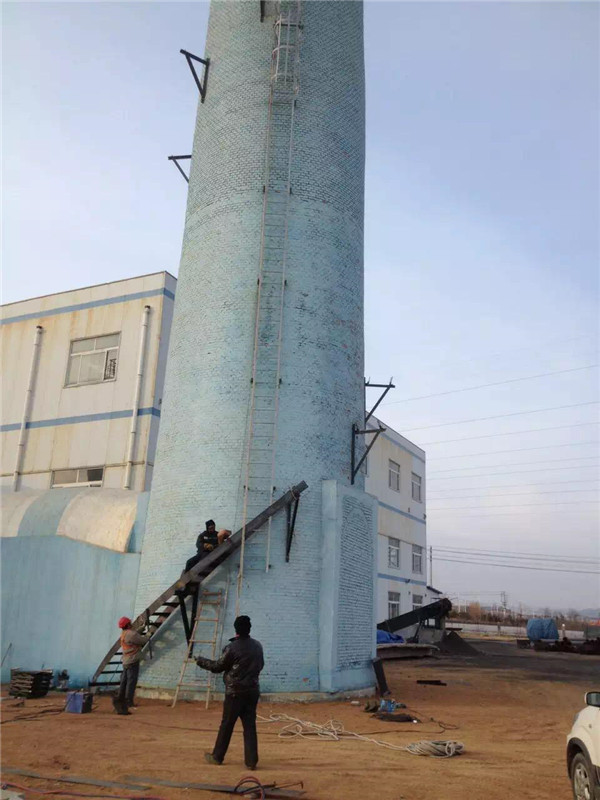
x=124, y=622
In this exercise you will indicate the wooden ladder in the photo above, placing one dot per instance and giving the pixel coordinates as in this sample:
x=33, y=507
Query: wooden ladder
x=212, y=603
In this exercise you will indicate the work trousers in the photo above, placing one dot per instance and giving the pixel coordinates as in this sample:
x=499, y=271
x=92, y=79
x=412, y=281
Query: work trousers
x=191, y=562
x=244, y=707
x=129, y=679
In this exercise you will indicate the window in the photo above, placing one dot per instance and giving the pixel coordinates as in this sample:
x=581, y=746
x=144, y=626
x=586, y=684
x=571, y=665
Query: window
x=417, y=600
x=393, y=552
x=393, y=604
x=84, y=476
x=417, y=558
x=416, y=487
x=394, y=475
x=93, y=360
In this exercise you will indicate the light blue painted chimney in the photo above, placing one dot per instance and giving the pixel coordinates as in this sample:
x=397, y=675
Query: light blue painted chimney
x=265, y=369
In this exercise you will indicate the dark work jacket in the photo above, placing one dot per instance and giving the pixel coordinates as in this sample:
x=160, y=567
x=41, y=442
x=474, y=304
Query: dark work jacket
x=206, y=538
x=241, y=661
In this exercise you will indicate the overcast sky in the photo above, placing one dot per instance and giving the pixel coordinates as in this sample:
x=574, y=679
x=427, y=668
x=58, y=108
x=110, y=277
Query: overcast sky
x=481, y=251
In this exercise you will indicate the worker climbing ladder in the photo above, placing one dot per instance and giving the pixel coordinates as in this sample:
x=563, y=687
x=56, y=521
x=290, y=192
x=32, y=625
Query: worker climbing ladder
x=207, y=633
x=261, y=437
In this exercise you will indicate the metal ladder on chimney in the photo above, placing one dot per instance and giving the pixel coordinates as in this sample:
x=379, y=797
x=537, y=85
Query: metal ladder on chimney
x=211, y=603
x=261, y=436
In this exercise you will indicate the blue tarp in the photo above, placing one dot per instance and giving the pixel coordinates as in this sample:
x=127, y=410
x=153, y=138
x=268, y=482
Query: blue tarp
x=383, y=637
x=541, y=628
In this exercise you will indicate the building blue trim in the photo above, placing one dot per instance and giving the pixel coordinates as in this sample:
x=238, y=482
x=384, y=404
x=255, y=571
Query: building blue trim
x=51, y=423
x=107, y=301
x=404, y=513
x=400, y=580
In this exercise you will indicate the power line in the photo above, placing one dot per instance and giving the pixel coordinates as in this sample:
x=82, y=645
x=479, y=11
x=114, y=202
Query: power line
x=517, y=566
x=518, y=513
x=486, y=385
x=516, y=450
x=511, y=494
x=515, y=505
x=510, y=433
x=517, y=464
x=534, y=348
x=501, y=416
x=514, y=554
x=513, y=485
x=514, y=472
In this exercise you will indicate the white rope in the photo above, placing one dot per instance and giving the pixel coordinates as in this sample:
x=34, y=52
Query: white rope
x=333, y=730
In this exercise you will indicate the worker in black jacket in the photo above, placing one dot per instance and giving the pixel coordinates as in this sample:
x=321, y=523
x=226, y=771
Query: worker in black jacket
x=241, y=662
x=206, y=543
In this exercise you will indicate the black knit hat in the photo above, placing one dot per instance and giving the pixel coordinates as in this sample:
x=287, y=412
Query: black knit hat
x=242, y=625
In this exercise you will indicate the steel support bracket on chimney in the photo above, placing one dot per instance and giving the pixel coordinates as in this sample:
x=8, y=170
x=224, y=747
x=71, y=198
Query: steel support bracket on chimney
x=176, y=160
x=201, y=84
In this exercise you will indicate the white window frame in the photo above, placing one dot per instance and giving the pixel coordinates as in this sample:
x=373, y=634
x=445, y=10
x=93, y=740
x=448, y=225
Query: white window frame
x=393, y=475
x=393, y=604
x=77, y=482
x=417, y=487
x=393, y=550
x=417, y=559
x=93, y=350
x=417, y=601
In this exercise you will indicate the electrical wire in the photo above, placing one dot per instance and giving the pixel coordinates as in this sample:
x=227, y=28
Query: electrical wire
x=514, y=553
x=486, y=385
x=515, y=472
x=510, y=494
x=510, y=485
x=501, y=416
x=519, y=513
x=521, y=450
x=517, y=566
x=521, y=505
x=544, y=560
x=510, y=433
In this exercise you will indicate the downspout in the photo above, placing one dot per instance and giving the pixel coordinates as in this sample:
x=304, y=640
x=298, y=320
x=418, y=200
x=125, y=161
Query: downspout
x=136, y=398
x=27, y=407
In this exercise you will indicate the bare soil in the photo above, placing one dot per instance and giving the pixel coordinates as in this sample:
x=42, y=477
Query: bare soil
x=512, y=710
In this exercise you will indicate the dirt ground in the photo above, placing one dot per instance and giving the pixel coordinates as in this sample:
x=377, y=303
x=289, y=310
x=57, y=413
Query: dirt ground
x=512, y=710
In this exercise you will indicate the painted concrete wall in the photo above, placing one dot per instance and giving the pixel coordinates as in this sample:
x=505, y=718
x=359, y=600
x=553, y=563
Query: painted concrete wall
x=400, y=517
x=83, y=426
x=200, y=455
x=60, y=603
x=70, y=560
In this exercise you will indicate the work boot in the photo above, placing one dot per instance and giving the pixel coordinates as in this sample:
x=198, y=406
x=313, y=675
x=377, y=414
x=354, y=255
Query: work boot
x=210, y=759
x=120, y=707
x=251, y=767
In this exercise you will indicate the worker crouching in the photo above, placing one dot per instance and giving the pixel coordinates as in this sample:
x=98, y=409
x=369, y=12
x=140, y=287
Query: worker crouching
x=132, y=643
x=241, y=662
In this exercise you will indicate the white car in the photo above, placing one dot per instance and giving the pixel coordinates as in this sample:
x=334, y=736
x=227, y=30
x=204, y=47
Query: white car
x=583, y=750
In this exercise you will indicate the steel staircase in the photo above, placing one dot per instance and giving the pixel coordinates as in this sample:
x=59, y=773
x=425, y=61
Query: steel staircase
x=108, y=673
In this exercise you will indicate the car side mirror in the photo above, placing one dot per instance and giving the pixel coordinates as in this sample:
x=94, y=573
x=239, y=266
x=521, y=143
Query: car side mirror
x=592, y=699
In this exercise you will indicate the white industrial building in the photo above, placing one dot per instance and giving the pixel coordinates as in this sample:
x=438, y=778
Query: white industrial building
x=81, y=397
x=76, y=365
x=395, y=474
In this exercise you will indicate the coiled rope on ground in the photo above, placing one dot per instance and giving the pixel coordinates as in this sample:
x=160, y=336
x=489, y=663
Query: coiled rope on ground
x=334, y=730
